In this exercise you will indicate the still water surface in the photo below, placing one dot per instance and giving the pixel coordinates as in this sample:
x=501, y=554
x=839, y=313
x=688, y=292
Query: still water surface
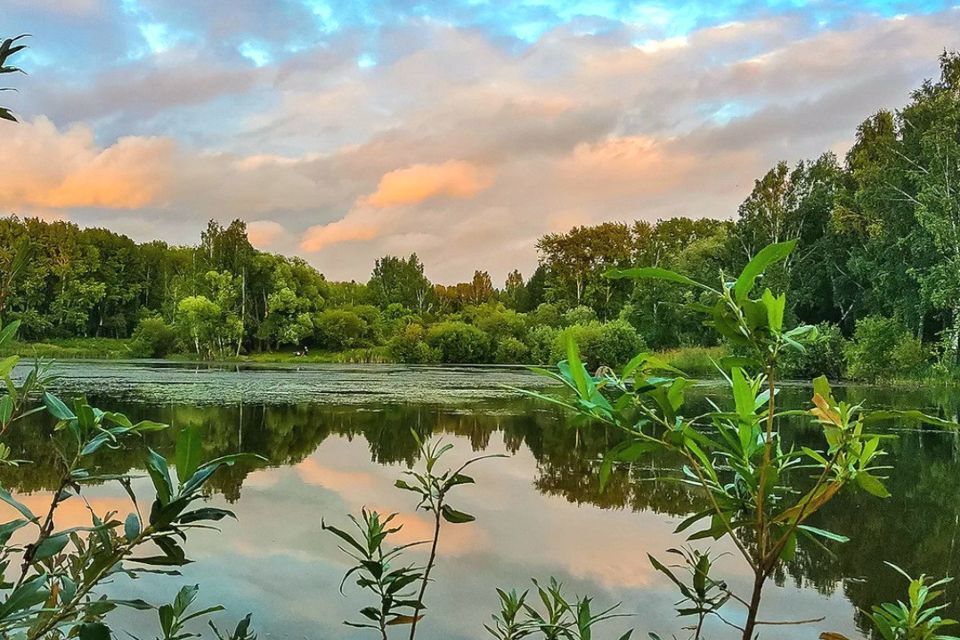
x=337, y=438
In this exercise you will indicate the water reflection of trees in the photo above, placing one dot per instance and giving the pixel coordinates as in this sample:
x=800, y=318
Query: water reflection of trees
x=916, y=528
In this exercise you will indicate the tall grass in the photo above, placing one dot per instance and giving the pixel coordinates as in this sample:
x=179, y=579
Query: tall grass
x=694, y=361
x=367, y=355
x=73, y=348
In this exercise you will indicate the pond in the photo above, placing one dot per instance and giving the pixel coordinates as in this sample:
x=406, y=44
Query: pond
x=337, y=437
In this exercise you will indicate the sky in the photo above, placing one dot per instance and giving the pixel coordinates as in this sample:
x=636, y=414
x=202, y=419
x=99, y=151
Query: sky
x=461, y=130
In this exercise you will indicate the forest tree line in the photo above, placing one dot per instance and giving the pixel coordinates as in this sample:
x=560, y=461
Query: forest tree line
x=878, y=255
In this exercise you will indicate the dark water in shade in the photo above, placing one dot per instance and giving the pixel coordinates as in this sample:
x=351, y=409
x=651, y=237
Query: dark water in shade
x=338, y=436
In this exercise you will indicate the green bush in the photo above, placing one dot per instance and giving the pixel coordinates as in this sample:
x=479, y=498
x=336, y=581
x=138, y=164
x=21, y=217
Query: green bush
x=459, y=342
x=579, y=315
x=540, y=342
x=409, y=346
x=511, y=351
x=587, y=336
x=339, y=329
x=619, y=342
x=610, y=343
x=496, y=320
x=374, y=323
x=911, y=358
x=883, y=349
x=824, y=356
x=154, y=338
x=546, y=315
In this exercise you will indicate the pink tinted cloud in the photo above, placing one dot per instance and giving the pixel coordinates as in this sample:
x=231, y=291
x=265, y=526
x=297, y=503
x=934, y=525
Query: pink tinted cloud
x=45, y=168
x=265, y=233
x=321, y=236
x=420, y=182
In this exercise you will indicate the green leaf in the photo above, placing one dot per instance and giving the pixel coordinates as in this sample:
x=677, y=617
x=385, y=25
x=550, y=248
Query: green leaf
x=188, y=452
x=8, y=331
x=22, y=508
x=149, y=425
x=31, y=593
x=97, y=442
x=662, y=568
x=789, y=548
x=455, y=517
x=767, y=256
x=7, y=529
x=160, y=475
x=51, y=546
x=821, y=387
x=7, y=365
x=6, y=409
x=94, y=631
x=577, y=371
x=56, y=408
x=606, y=468
x=816, y=456
x=654, y=273
x=131, y=527
x=206, y=513
x=872, y=485
x=137, y=603
x=742, y=393
x=460, y=478
x=776, y=305
x=823, y=533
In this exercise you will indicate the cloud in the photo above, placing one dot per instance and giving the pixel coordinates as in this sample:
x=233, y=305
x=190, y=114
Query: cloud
x=312, y=472
x=416, y=184
x=320, y=236
x=420, y=182
x=77, y=7
x=264, y=233
x=44, y=168
x=463, y=143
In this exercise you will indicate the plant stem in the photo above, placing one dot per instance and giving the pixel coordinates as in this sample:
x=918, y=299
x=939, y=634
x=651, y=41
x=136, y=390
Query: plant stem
x=426, y=571
x=696, y=633
x=46, y=528
x=761, y=561
x=767, y=450
x=759, y=578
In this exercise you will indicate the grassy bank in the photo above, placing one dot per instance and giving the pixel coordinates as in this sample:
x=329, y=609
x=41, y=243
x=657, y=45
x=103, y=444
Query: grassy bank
x=694, y=361
x=372, y=355
x=73, y=348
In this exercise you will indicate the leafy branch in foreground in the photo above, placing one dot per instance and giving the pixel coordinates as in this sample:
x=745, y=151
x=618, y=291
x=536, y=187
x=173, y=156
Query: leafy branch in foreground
x=702, y=596
x=556, y=618
x=8, y=48
x=433, y=488
x=173, y=619
x=55, y=576
x=60, y=570
x=377, y=565
x=761, y=494
x=917, y=619
x=377, y=571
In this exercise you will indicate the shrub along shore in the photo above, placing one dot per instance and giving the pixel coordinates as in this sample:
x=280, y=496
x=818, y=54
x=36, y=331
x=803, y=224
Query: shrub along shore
x=880, y=353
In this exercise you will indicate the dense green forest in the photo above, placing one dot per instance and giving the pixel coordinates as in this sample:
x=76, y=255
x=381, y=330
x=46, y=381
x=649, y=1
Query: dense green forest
x=877, y=266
